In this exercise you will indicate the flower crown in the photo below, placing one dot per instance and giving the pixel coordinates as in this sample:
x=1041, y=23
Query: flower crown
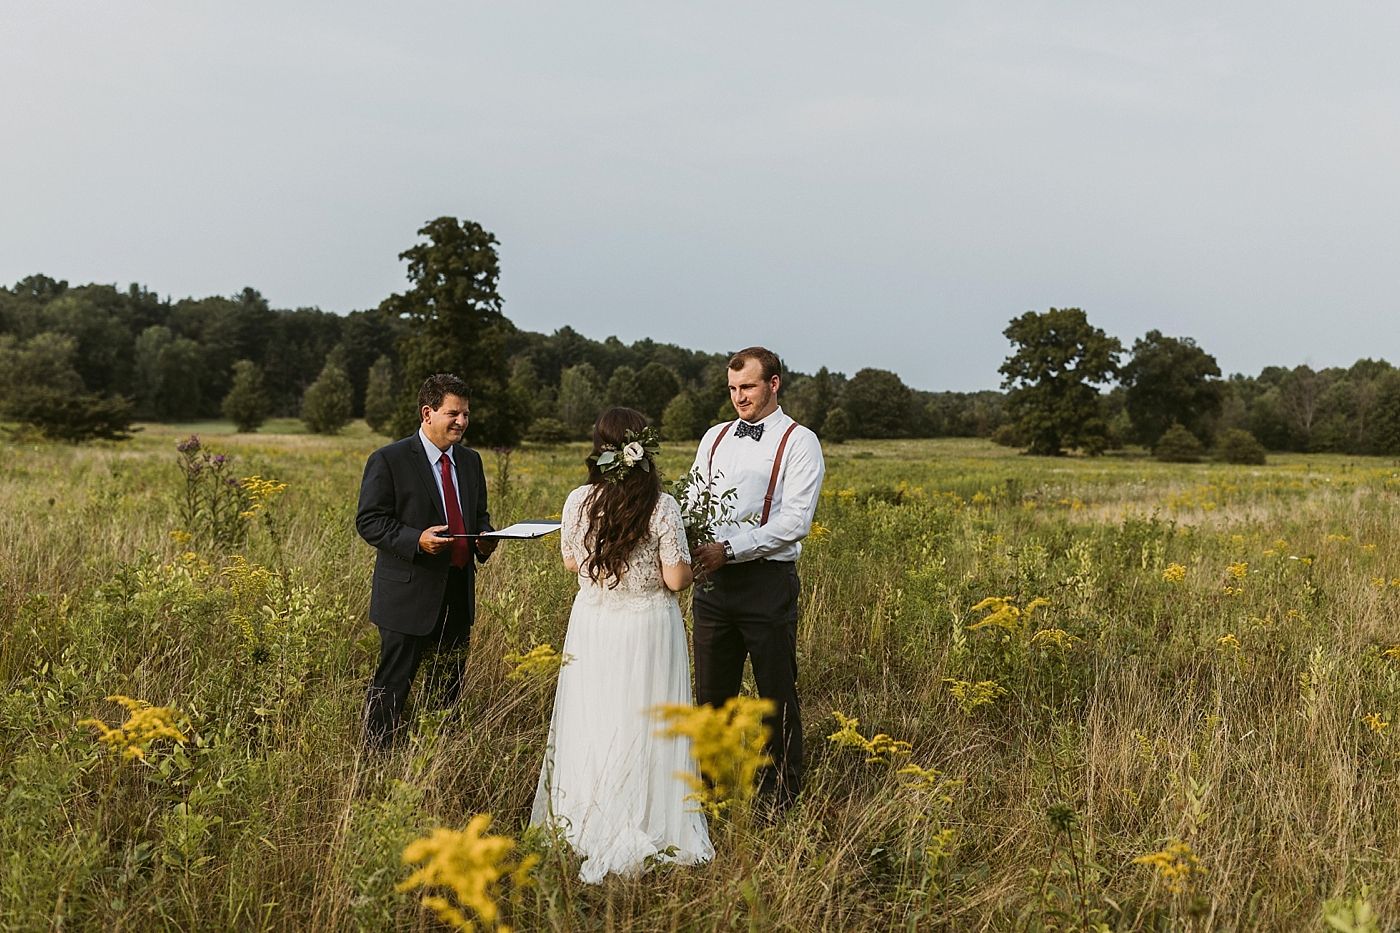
x=639, y=448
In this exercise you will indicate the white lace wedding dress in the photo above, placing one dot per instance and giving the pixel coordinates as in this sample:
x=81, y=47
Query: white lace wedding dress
x=609, y=782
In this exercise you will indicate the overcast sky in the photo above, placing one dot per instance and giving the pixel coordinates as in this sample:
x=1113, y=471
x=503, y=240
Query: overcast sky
x=852, y=184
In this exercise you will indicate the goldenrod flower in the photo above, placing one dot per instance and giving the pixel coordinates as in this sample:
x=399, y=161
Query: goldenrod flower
x=1393, y=652
x=1055, y=636
x=469, y=864
x=971, y=696
x=1238, y=571
x=261, y=493
x=1375, y=723
x=1176, y=865
x=541, y=661
x=1174, y=573
x=1228, y=643
x=144, y=724
x=879, y=747
x=1003, y=612
x=819, y=534
x=727, y=745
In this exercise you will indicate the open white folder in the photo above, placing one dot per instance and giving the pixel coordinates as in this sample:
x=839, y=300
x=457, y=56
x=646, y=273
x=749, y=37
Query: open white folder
x=520, y=530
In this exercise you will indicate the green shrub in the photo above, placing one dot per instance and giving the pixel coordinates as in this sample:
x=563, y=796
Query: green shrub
x=246, y=403
x=1236, y=446
x=837, y=426
x=380, y=403
x=1178, y=445
x=64, y=416
x=325, y=407
x=1008, y=435
x=547, y=431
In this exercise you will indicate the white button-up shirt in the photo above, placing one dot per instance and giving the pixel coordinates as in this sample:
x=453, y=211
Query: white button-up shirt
x=434, y=455
x=746, y=465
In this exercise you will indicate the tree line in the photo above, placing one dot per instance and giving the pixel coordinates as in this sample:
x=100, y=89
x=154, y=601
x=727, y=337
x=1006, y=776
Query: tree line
x=86, y=361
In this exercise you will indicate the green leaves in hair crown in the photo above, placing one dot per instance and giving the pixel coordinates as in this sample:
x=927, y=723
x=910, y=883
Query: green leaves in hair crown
x=638, y=449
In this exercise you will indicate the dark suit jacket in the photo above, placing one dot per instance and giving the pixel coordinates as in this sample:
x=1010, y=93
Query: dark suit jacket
x=398, y=499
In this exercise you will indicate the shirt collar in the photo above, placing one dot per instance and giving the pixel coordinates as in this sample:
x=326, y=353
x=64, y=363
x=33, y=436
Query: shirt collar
x=431, y=449
x=773, y=417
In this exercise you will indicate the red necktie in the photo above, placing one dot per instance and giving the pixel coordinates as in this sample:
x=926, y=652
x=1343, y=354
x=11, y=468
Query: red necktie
x=461, y=547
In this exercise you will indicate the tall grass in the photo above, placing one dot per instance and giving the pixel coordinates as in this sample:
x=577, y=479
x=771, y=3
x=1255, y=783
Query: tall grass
x=1224, y=711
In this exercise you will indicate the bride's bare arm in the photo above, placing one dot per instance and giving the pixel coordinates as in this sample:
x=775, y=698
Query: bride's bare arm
x=677, y=576
x=570, y=564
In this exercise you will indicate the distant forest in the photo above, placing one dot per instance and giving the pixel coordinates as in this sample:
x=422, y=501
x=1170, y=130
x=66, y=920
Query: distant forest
x=174, y=359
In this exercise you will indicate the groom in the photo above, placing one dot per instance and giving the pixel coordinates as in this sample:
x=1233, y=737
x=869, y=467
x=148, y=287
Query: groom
x=776, y=467
x=417, y=493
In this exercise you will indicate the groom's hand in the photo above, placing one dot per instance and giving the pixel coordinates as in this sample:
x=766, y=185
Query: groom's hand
x=485, y=546
x=708, y=558
x=430, y=543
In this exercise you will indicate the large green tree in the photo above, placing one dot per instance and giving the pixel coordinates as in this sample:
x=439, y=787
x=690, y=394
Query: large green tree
x=877, y=404
x=1168, y=380
x=453, y=323
x=1060, y=357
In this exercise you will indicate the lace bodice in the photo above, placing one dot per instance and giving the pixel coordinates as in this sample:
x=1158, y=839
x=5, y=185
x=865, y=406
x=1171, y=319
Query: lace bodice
x=665, y=543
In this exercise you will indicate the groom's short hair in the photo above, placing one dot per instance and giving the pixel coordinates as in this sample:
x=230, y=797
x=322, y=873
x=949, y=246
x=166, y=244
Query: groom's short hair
x=767, y=359
x=438, y=387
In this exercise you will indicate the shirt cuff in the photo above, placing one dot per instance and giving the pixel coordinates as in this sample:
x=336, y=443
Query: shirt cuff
x=744, y=545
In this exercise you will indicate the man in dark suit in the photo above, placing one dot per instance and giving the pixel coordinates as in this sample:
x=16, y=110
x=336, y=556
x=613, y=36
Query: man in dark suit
x=416, y=493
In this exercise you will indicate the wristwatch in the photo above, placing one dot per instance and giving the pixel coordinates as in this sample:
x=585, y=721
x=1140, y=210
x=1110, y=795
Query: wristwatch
x=728, y=550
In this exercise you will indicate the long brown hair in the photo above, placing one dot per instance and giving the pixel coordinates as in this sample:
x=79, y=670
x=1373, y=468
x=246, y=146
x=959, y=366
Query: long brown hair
x=619, y=513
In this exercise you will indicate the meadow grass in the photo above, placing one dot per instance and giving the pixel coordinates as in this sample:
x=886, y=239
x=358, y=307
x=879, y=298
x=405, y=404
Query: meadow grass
x=1190, y=733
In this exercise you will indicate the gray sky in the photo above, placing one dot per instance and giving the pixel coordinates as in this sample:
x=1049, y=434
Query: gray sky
x=853, y=184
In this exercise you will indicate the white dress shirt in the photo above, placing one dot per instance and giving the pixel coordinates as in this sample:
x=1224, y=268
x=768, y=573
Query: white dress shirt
x=746, y=465
x=434, y=455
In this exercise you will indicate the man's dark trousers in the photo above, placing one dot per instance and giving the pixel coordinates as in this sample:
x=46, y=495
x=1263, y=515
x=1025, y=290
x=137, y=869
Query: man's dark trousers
x=400, y=655
x=750, y=608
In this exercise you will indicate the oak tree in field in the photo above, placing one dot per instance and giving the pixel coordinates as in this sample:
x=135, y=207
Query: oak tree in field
x=1060, y=357
x=453, y=323
x=1171, y=380
x=877, y=402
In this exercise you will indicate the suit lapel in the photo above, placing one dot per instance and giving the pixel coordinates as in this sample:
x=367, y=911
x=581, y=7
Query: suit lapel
x=425, y=474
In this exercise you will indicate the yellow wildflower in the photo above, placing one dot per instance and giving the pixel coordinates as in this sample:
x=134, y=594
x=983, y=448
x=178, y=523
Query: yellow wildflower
x=1375, y=723
x=1228, y=643
x=1238, y=571
x=1174, y=573
x=879, y=747
x=1338, y=539
x=819, y=534
x=1004, y=613
x=971, y=696
x=469, y=864
x=1055, y=636
x=144, y=724
x=261, y=493
x=1393, y=652
x=1378, y=581
x=1176, y=865
x=727, y=745
x=541, y=661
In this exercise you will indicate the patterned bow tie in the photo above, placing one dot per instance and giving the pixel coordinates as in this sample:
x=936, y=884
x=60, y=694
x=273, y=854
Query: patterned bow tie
x=744, y=429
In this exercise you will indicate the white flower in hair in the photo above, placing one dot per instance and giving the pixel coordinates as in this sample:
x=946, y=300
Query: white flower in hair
x=632, y=453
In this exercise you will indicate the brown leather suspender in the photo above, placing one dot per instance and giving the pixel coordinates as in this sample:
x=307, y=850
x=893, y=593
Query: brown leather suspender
x=773, y=480
x=777, y=466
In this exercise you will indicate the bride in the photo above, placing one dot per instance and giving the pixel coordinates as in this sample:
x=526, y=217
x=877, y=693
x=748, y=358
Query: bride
x=609, y=783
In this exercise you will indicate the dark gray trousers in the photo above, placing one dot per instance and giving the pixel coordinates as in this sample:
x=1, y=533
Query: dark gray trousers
x=751, y=611
x=401, y=654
